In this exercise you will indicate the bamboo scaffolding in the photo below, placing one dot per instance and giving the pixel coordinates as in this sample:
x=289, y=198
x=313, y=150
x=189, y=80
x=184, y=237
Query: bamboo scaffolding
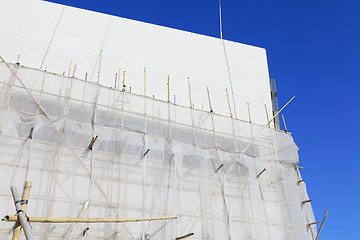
x=84, y=165
x=21, y=215
x=10, y=218
x=322, y=223
x=248, y=105
x=24, y=203
x=234, y=164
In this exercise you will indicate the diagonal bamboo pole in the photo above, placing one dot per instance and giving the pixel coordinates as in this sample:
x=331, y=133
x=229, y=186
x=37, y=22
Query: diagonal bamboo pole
x=322, y=223
x=21, y=215
x=25, y=198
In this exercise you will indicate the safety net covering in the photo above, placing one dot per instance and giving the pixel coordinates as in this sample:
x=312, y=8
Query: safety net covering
x=151, y=159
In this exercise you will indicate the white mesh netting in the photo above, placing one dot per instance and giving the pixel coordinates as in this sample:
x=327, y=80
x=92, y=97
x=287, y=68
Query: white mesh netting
x=181, y=175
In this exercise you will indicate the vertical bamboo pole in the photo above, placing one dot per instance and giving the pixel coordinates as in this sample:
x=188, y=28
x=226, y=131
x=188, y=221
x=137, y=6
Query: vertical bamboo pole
x=284, y=122
x=322, y=223
x=191, y=112
x=70, y=68
x=119, y=79
x=189, y=92
x=248, y=105
x=227, y=95
x=98, y=78
x=17, y=61
x=207, y=89
x=123, y=88
x=267, y=114
x=25, y=198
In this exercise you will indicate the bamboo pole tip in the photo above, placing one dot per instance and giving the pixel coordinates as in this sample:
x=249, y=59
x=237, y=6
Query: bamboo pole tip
x=7, y=218
x=28, y=184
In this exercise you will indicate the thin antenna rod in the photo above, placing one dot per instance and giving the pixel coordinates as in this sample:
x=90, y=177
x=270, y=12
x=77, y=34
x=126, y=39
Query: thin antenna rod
x=98, y=79
x=189, y=92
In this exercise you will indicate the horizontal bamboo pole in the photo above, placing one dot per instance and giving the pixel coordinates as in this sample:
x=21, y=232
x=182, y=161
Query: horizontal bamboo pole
x=86, y=220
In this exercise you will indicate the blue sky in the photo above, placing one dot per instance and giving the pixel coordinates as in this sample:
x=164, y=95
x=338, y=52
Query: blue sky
x=313, y=53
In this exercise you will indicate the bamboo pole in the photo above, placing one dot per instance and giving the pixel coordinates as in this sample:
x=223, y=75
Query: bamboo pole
x=306, y=201
x=261, y=173
x=219, y=168
x=123, y=88
x=24, y=202
x=17, y=61
x=207, y=89
x=98, y=79
x=322, y=223
x=189, y=92
x=9, y=218
x=248, y=105
x=185, y=236
x=70, y=68
x=227, y=95
x=21, y=215
x=118, y=85
x=267, y=114
x=284, y=122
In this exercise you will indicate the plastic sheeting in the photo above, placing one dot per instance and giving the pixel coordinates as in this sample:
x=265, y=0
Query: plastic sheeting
x=202, y=167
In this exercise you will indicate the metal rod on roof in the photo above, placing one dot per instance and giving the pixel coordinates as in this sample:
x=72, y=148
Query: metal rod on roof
x=227, y=95
x=168, y=88
x=9, y=218
x=24, y=203
x=98, y=79
x=115, y=80
x=21, y=215
x=207, y=89
x=322, y=223
x=191, y=105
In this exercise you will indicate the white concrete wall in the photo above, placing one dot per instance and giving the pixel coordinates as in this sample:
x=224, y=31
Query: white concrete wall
x=26, y=28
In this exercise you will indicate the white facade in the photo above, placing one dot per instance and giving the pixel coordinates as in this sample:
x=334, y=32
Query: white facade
x=27, y=27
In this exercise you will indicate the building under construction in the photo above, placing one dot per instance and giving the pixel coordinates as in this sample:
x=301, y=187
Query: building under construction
x=108, y=135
